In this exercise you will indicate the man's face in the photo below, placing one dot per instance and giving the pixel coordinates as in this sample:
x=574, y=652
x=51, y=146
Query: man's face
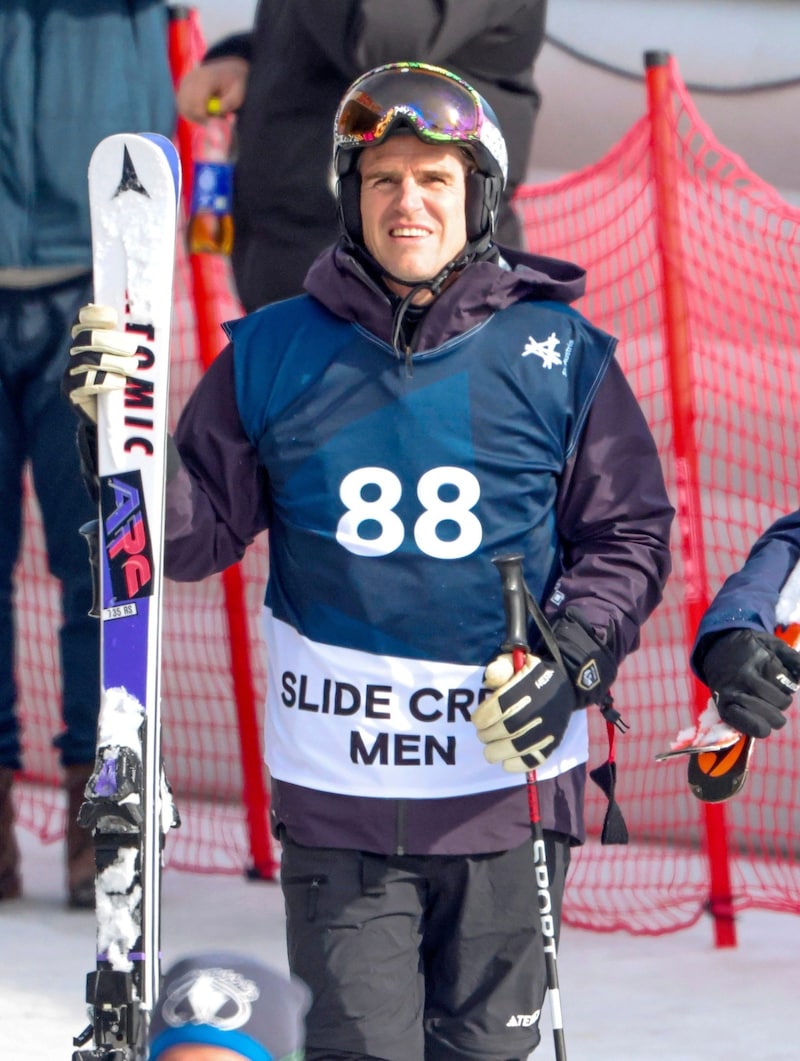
x=413, y=207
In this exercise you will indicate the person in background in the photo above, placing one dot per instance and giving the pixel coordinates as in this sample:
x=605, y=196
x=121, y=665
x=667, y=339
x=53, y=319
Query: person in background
x=284, y=80
x=59, y=100
x=752, y=674
x=432, y=402
x=219, y=1005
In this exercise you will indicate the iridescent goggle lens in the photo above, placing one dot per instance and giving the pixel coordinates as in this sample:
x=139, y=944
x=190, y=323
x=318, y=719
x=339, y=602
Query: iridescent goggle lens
x=438, y=106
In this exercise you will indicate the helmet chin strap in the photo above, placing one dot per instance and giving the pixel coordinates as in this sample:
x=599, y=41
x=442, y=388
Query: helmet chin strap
x=434, y=285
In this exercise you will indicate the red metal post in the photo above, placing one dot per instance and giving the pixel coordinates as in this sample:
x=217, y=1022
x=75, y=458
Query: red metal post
x=658, y=67
x=184, y=37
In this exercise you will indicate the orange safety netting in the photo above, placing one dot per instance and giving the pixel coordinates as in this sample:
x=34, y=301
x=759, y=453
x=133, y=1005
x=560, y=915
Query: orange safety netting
x=732, y=250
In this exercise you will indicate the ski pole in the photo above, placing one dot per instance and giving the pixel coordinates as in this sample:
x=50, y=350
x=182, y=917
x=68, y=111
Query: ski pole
x=516, y=642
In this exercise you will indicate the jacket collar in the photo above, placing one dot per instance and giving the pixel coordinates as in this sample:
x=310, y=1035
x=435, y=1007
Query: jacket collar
x=340, y=282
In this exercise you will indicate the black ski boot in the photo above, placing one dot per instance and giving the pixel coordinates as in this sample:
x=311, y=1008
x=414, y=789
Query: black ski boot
x=10, y=879
x=80, y=863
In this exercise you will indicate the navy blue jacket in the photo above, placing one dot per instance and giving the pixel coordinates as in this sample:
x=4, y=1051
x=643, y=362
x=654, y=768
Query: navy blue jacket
x=749, y=596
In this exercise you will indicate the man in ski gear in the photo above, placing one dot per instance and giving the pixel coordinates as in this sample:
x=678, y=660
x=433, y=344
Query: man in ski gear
x=430, y=403
x=57, y=104
x=221, y=1005
x=284, y=78
x=752, y=674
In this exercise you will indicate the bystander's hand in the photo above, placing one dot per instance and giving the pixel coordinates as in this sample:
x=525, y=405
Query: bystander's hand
x=223, y=79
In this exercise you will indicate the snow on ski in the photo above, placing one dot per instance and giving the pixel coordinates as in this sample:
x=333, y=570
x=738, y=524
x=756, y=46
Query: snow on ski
x=134, y=184
x=709, y=733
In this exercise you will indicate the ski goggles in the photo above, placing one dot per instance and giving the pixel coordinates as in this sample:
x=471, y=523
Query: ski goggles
x=436, y=103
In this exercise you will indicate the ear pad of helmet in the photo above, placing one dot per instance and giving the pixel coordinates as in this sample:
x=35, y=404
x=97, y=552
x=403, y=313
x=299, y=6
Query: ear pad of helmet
x=349, y=205
x=482, y=205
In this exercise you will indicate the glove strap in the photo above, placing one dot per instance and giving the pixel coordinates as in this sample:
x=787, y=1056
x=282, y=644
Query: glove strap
x=614, y=830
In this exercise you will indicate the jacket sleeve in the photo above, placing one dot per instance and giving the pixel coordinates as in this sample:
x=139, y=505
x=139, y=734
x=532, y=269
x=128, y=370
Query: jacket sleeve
x=238, y=46
x=749, y=596
x=216, y=499
x=614, y=518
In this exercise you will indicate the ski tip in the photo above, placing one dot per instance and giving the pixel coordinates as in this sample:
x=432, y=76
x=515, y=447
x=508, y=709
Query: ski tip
x=708, y=734
x=702, y=744
x=715, y=776
x=171, y=154
x=99, y=162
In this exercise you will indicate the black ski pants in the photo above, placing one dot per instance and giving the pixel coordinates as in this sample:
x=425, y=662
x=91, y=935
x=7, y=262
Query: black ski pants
x=419, y=958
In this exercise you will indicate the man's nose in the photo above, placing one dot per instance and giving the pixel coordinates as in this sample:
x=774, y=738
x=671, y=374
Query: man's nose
x=409, y=193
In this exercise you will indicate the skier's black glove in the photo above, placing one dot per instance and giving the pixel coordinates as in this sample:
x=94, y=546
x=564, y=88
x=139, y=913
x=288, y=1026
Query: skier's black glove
x=752, y=675
x=525, y=718
x=588, y=656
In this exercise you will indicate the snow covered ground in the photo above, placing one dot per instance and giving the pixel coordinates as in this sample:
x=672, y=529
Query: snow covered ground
x=624, y=998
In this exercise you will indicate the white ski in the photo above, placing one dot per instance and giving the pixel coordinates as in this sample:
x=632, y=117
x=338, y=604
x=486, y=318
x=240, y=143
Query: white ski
x=134, y=185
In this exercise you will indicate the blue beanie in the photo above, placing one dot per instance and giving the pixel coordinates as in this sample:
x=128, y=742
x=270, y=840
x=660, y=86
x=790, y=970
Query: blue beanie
x=225, y=999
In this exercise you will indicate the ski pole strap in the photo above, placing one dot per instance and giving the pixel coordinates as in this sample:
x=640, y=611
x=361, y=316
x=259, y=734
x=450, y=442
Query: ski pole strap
x=544, y=627
x=614, y=830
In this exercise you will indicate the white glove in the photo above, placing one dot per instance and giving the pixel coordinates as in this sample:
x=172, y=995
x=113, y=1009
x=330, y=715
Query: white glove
x=100, y=360
x=525, y=718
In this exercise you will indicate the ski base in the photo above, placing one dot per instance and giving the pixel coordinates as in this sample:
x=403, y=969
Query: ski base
x=719, y=756
x=717, y=774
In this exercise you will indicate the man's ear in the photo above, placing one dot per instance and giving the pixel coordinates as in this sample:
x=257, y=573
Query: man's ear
x=482, y=205
x=349, y=205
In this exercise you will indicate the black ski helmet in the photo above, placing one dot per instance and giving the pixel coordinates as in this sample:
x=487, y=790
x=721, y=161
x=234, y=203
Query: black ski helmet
x=440, y=108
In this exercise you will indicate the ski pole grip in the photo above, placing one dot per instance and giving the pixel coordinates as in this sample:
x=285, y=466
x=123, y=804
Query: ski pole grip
x=510, y=568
